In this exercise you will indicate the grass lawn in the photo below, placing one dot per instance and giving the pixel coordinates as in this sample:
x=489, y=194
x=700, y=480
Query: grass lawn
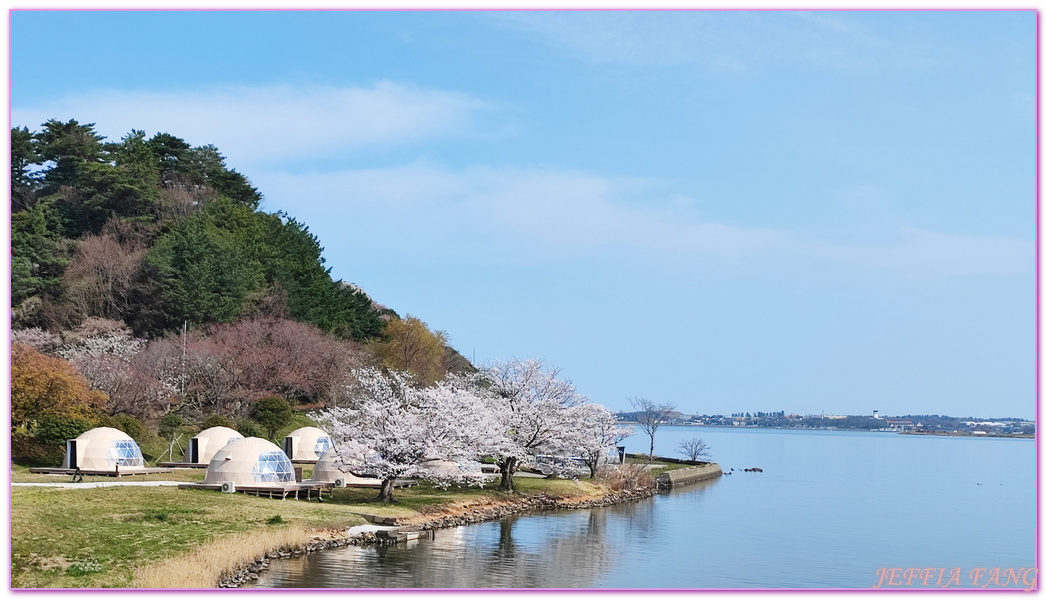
x=21, y=474
x=655, y=472
x=97, y=537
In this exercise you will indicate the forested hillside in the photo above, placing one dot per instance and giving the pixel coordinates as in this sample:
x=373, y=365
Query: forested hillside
x=116, y=247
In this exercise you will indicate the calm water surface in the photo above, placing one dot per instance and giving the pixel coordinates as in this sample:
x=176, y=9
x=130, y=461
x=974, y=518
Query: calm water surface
x=829, y=510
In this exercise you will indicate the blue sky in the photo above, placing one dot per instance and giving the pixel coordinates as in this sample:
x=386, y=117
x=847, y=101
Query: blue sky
x=735, y=211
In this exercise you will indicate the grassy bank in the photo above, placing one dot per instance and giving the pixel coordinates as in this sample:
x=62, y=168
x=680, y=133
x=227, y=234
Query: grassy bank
x=102, y=537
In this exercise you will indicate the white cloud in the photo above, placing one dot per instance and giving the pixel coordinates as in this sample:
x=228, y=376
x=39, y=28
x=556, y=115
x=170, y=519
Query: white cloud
x=717, y=40
x=260, y=125
x=536, y=214
x=548, y=215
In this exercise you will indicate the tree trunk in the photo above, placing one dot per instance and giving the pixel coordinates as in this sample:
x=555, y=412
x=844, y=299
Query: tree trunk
x=386, y=492
x=650, y=457
x=508, y=467
x=592, y=469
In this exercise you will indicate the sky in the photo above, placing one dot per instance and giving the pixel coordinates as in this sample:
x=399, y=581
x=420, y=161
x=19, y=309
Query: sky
x=817, y=212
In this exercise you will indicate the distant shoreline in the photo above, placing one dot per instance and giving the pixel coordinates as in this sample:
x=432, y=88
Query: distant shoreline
x=849, y=429
x=970, y=434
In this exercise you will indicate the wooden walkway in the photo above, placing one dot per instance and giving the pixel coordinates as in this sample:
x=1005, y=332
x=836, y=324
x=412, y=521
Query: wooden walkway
x=182, y=465
x=268, y=491
x=115, y=473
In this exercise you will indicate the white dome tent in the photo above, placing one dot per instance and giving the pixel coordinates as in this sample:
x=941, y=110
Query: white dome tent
x=325, y=471
x=250, y=462
x=103, y=449
x=203, y=447
x=306, y=444
x=438, y=467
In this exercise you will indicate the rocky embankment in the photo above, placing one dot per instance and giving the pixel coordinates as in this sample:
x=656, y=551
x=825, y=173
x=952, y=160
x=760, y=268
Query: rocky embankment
x=478, y=512
x=438, y=517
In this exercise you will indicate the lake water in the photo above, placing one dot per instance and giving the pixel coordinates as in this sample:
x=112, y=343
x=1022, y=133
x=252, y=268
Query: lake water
x=830, y=510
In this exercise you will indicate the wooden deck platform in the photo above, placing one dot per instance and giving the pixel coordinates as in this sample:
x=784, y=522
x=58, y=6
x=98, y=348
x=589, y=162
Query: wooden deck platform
x=114, y=473
x=377, y=483
x=268, y=491
x=182, y=465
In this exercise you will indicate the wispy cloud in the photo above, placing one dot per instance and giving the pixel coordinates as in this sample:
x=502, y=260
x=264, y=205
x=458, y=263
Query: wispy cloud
x=716, y=40
x=260, y=125
x=539, y=215
x=910, y=251
x=508, y=213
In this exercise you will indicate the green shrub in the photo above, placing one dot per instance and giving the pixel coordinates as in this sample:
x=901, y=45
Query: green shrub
x=28, y=451
x=272, y=413
x=56, y=430
x=249, y=428
x=133, y=427
x=170, y=424
x=217, y=421
x=275, y=520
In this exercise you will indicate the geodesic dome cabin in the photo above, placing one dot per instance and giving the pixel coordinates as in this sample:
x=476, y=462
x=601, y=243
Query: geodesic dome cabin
x=441, y=467
x=325, y=471
x=103, y=449
x=307, y=444
x=450, y=468
x=250, y=462
x=203, y=447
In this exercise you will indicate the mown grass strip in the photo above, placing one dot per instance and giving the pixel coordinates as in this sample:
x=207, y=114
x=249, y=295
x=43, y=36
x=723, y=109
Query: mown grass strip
x=102, y=537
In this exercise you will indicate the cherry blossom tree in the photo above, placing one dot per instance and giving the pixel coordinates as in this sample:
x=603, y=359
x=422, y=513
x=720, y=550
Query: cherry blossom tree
x=37, y=339
x=131, y=390
x=98, y=337
x=224, y=369
x=107, y=354
x=597, y=431
x=394, y=428
x=537, y=408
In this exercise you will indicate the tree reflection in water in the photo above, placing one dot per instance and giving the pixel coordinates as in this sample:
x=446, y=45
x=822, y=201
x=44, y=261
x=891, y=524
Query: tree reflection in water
x=561, y=549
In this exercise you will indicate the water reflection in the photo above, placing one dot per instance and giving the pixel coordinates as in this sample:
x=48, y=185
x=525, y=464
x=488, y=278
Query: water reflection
x=561, y=549
x=824, y=513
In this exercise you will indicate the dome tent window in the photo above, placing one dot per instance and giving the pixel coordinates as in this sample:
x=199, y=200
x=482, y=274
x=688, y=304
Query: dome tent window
x=125, y=453
x=273, y=467
x=323, y=443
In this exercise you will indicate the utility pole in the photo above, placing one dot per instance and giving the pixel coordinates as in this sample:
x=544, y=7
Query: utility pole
x=182, y=378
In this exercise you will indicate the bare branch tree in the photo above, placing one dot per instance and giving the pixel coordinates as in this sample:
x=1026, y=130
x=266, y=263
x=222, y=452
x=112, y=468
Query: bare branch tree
x=694, y=449
x=650, y=416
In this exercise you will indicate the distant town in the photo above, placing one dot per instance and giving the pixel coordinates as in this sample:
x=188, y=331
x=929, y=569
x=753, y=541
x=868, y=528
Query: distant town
x=916, y=424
